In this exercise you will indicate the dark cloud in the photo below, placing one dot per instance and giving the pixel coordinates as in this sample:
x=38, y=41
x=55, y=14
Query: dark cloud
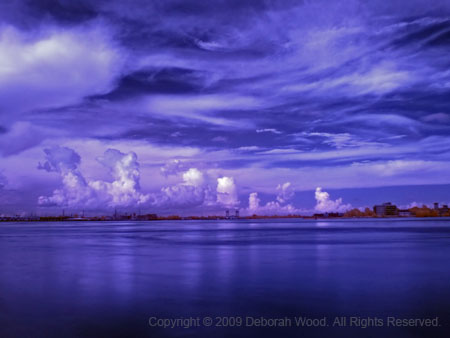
x=157, y=81
x=65, y=11
x=27, y=14
x=420, y=32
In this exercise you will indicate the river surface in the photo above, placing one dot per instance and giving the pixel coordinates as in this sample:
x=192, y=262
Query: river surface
x=106, y=279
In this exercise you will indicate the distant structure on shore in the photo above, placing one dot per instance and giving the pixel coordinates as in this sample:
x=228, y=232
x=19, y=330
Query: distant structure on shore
x=387, y=209
x=442, y=211
x=229, y=216
x=329, y=215
x=390, y=210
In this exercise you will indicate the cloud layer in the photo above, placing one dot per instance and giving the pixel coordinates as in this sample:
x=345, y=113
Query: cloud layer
x=250, y=94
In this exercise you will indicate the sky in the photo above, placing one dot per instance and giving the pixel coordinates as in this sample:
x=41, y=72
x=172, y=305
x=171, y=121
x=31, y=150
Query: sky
x=194, y=107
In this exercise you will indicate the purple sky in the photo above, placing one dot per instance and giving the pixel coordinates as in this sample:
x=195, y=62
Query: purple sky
x=192, y=107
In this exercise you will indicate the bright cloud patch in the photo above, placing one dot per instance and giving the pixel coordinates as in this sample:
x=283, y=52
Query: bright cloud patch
x=54, y=67
x=285, y=192
x=270, y=208
x=193, y=177
x=226, y=191
x=192, y=192
x=76, y=191
x=325, y=204
x=278, y=207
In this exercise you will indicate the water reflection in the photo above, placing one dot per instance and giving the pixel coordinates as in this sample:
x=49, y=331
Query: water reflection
x=70, y=273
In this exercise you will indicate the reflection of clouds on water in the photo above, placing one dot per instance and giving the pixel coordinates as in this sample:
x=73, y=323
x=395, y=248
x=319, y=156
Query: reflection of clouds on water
x=323, y=224
x=83, y=271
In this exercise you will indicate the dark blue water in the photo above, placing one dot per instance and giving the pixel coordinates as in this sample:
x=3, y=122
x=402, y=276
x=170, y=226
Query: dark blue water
x=87, y=279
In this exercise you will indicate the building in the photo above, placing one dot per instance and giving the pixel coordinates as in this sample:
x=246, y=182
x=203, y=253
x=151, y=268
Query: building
x=442, y=211
x=229, y=216
x=386, y=209
x=333, y=214
x=147, y=217
x=405, y=213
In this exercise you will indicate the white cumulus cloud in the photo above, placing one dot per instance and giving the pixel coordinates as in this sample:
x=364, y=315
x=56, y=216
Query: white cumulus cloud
x=124, y=168
x=193, y=177
x=325, y=204
x=192, y=192
x=227, y=191
x=285, y=192
x=76, y=191
x=270, y=208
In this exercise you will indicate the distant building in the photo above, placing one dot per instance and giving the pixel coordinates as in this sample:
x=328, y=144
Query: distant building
x=235, y=216
x=405, y=213
x=442, y=211
x=386, y=209
x=147, y=217
x=333, y=214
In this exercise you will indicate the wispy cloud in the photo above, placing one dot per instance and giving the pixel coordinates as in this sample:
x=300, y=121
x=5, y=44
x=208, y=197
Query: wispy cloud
x=268, y=130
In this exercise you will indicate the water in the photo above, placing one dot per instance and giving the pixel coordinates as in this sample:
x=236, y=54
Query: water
x=105, y=279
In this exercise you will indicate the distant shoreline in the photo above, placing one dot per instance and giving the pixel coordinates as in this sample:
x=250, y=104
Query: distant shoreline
x=218, y=218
